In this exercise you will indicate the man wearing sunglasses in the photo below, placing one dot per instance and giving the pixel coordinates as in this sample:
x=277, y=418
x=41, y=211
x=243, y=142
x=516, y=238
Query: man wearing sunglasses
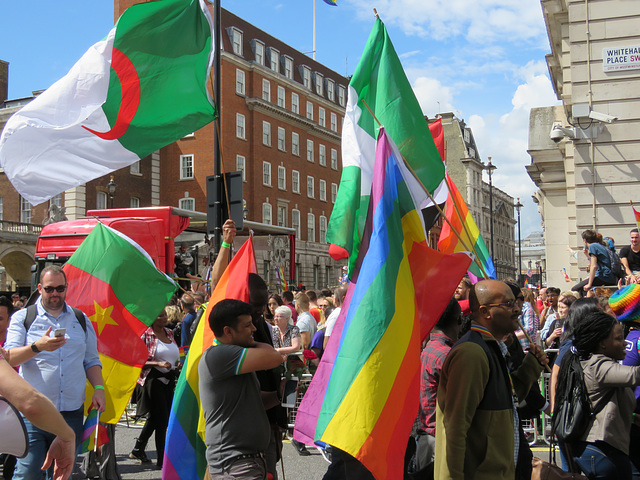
x=58, y=354
x=476, y=418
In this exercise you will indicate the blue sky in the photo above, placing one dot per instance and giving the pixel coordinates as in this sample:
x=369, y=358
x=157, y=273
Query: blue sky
x=481, y=59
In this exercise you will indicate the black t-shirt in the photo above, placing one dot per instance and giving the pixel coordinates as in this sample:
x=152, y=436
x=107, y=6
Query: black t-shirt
x=632, y=257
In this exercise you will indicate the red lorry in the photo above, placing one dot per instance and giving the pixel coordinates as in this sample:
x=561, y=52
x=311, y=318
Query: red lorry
x=153, y=228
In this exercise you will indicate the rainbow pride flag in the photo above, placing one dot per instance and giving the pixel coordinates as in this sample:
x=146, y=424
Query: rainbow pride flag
x=184, y=454
x=333, y=3
x=402, y=288
x=89, y=436
x=637, y=215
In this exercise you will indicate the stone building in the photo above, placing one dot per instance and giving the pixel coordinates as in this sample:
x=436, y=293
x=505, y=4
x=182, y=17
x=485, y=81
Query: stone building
x=465, y=168
x=281, y=120
x=585, y=154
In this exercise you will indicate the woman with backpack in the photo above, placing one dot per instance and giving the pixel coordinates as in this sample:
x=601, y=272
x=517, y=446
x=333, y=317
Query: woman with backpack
x=601, y=448
x=600, y=269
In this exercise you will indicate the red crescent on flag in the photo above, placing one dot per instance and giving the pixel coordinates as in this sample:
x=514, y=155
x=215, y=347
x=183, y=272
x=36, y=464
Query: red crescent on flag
x=130, y=84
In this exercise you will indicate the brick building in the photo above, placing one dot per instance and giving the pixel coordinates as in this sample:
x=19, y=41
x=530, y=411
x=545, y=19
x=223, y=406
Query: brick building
x=281, y=118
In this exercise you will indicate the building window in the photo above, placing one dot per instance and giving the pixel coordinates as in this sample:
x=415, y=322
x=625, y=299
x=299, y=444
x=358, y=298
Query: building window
x=310, y=186
x=266, y=213
x=322, y=227
x=295, y=144
x=266, y=134
x=274, y=56
x=295, y=221
x=310, y=150
x=310, y=110
x=323, y=190
x=322, y=155
x=331, y=89
x=240, y=82
x=342, y=95
x=266, y=90
x=322, y=119
x=187, y=204
x=282, y=178
x=334, y=192
x=55, y=200
x=281, y=141
x=259, y=52
x=134, y=168
x=282, y=216
x=240, y=127
x=236, y=40
x=101, y=200
x=334, y=159
x=266, y=174
x=319, y=83
x=135, y=202
x=281, y=93
x=241, y=166
x=306, y=76
x=186, y=167
x=334, y=122
x=311, y=227
x=288, y=67
x=1, y=208
x=295, y=181
x=295, y=103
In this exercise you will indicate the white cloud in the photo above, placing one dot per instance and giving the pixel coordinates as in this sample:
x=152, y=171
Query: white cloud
x=505, y=139
x=432, y=96
x=477, y=20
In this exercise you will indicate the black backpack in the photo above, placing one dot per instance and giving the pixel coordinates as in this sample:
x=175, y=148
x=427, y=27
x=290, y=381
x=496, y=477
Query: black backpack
x=573, y=413
x=616, y=264
x=32, y=313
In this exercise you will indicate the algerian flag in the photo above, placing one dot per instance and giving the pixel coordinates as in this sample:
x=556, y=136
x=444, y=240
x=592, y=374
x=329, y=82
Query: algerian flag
x=101, y=274
x=137, y=90
x=380, y=82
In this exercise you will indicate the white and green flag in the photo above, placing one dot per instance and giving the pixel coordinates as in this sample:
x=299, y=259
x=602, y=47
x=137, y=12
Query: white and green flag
x=137, y=90
x=379, y=84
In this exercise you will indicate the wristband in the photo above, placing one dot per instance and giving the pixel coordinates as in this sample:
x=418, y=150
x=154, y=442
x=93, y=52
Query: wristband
x=98, y=387
x=225, y=245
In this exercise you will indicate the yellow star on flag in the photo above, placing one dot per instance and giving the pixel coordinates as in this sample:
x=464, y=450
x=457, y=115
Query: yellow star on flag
x=102, y=317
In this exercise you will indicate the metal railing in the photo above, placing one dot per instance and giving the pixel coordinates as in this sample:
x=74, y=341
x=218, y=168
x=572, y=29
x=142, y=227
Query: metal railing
x=19, y=227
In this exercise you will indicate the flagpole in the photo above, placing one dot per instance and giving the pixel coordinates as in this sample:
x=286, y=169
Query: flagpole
x=95, y=442
x=314, y=29
x=464, y=244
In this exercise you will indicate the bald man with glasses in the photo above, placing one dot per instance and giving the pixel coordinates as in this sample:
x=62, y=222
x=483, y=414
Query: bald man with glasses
x=477, y=434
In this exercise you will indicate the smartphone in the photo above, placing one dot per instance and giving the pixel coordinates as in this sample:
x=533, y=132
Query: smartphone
x=289, y=394
x=59, y=332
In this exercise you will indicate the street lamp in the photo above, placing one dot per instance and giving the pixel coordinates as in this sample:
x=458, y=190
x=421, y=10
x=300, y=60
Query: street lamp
x=490, y=167
x=518, y=206
x=111, y=190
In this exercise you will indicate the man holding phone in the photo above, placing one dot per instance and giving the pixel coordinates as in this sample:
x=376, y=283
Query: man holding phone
x=59, y=375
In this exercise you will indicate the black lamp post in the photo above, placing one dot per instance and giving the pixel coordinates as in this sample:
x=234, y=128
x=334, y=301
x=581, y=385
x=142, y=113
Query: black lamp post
x=518, y=206
x=490, y=167
x=111, y=190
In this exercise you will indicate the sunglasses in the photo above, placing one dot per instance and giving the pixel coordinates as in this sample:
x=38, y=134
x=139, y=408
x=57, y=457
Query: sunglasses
x=59, y=289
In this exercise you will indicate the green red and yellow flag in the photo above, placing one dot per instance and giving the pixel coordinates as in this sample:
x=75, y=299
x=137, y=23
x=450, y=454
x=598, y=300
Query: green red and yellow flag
x=116, y=284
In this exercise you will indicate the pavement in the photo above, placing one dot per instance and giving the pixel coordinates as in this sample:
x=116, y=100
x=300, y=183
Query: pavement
x=296, y=467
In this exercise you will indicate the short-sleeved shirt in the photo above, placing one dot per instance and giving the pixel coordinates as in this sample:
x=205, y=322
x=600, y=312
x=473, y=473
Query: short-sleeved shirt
x=632, y=257
x=632, y=359
x=59, y=375
x=236, y=422
x=285, y=341
x=603, y=270
x=306, y=323
x=331, y=322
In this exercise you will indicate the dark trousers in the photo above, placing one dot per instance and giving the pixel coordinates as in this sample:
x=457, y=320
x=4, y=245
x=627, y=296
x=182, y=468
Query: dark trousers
x=160, y=396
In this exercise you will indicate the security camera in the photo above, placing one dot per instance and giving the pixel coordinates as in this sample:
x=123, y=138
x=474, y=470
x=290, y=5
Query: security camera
x=602, y=117
x=558, y=132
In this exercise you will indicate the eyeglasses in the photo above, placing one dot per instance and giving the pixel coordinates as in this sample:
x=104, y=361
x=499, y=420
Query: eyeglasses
x=59, y=289
x=509, y=304
x=323, y=306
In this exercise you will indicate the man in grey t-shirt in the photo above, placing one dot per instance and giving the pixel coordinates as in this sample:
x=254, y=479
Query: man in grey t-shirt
x=306, y=323
x=237, y=429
